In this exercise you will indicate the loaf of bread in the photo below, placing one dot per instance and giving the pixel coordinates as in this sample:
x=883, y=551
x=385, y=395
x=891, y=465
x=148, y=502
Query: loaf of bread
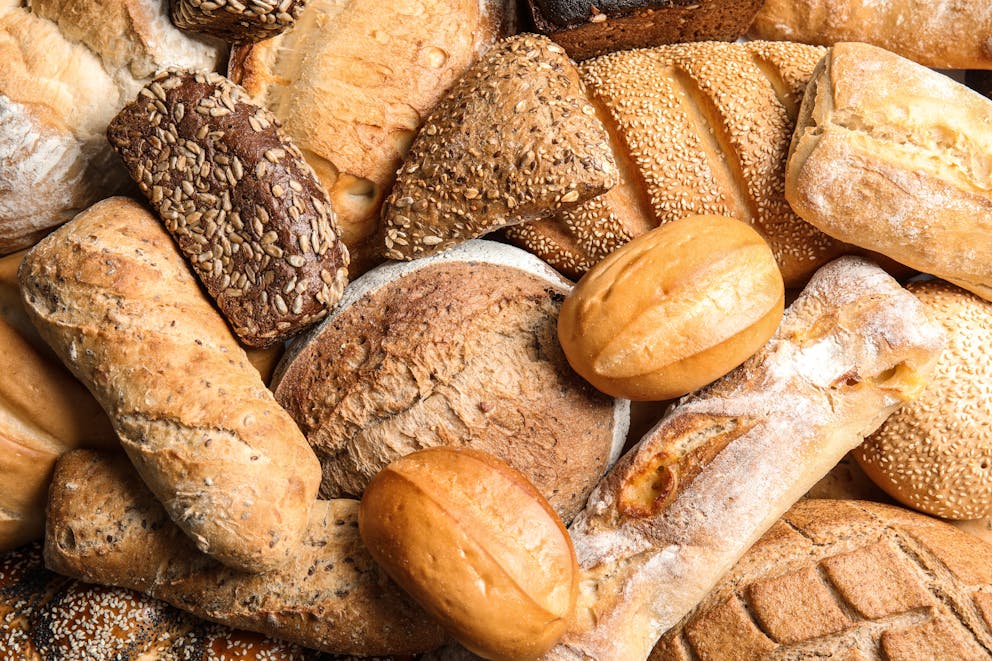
x=113, y=297
x=892, y=156
x=105, y=527
x=353, y=81
x=696, y=129
x=515, y=139
x=247, y=211
x=47, y=616
x=935, y=33
x=252, y=20
x=846, y=580
x=69, y=65
x=681, y=507
x=454, y=349
x=587, y=29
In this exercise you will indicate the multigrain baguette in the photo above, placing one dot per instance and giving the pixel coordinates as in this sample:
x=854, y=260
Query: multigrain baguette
x=111, y=294
x=105, y=527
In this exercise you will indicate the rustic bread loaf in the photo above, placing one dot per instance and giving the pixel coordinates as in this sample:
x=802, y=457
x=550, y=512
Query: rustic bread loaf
x=247, y=211
x=105, y=527
x=696, y=129
x=515, y=139
x=252, y=20
x=587, y=29
x=935, y=33
x=113, y=297
x=68, y=67
x=353, y=81
x=893, y=157
x=454, y=349
x=846, y=580
x=680, y=508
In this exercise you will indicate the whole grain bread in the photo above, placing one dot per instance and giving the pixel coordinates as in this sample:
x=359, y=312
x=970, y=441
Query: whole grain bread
x=247, y=211
x=455, y=349
x=105, y=527
x=846, y=579
x=252, y=20
x=112, y=295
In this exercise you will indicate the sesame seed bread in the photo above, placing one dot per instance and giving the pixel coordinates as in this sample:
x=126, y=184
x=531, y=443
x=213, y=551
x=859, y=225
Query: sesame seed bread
x=845, y=579
x=587, y=29
x=893, y=157
x=935, y=453
x=331, y=596
x=459, y=349
x=696, y=129
x=112, y=295
x=246, y=209
x=234, y=20
x=515, y=139
x=943, y=34
x=352, y=83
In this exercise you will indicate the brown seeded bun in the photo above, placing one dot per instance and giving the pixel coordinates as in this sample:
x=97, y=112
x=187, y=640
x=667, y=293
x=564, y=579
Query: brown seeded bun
x=846, y=580
x=674, y=309
x=477, y=546
x=455, y=349
x=935, y=453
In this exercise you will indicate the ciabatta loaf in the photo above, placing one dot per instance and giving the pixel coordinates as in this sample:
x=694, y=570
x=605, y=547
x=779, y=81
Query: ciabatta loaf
x=105, y=527
x=111, y=294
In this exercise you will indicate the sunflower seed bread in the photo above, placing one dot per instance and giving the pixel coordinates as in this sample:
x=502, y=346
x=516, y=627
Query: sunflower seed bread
x=247, y=211
x=236, y=20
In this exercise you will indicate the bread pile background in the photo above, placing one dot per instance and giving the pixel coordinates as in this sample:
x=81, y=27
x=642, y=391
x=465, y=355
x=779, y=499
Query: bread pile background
x=219, y=397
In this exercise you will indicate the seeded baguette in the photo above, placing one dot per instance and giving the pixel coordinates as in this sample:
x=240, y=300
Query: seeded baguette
x=246, y=210
x=250, y=20
x=111, y=294
x=105, y=527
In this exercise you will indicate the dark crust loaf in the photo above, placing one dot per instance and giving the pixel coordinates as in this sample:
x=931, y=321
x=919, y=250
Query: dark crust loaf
x=587, y=29
x=462, y=354
x=105, y=527
x=246, y=209
x=237, y=20
x=845, y=579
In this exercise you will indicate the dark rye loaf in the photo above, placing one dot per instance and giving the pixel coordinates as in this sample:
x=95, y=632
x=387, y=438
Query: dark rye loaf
x=244, y=206
x=235, y=20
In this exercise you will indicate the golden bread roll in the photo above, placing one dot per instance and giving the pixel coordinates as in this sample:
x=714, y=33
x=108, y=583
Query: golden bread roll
x=893, y=157
x=673, y=310
x=935, y=454
x=935, y=33
x=112, y=295
x=845, y=579
x=477, y=546
x=696, y=129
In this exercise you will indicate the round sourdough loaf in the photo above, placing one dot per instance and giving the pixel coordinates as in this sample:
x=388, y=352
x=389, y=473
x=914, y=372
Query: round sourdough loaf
x=455, y=349
x=845, y=579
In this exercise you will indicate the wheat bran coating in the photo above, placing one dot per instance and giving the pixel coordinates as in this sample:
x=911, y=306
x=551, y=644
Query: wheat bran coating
x=247, y=211
x=237, y=20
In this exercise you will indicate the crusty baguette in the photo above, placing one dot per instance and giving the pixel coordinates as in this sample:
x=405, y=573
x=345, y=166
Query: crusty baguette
x=935, y=33
x=680, y=508
x=105, y=527
x=893, y=157
x=111, y=294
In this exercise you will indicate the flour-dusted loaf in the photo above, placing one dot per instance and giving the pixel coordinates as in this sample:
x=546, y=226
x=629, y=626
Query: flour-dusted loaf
x=455, y=349
x=698, y=128
x=246, y=209
x=682, y=506
x=68, y=67
x=844, y=579
x=105, y=527
x=112, y=295
x=944, y=34
x=893, y=157
x=251, y=20
x=516, y=139
x=353, y=81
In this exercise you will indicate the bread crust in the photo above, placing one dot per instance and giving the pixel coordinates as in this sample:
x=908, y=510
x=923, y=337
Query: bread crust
x=113, y=297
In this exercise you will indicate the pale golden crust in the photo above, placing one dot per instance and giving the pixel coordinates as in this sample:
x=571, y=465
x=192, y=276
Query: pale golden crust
x=935, y=453
x=943, y=34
